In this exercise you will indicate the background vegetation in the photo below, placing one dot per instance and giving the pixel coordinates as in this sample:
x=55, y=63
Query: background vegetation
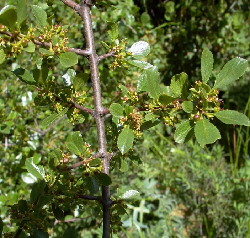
x=185, y=191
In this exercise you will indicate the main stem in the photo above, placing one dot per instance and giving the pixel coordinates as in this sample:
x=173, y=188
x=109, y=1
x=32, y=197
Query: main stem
x=84, y=12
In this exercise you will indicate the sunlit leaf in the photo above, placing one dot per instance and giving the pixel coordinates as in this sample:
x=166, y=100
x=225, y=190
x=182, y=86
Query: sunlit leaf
x=116, y=110
x=75, y=143
x=40, y=15
x=149, y=81
x=179, y=85
x=129, y=194
x=207, y=62
x=187, y=106
x=52, y=118
x=125, y=140
x=230, y=72
x=35, y=170
x=206, y=132
x=68, y=59
x=22, y=11
x=139, y=49
x=182, y=131
x=233, y=117
x=140, y=64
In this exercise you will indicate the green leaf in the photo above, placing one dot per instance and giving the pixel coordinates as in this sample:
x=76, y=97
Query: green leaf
x=149, y=124
x=37, y=190
x=74, y=144
x=182, y=131
x=68, y=59
x=116, y=110
x=207, y=62
x=233, y=117
x=45, y=52
x=22, y=11
x=187, y=106
x=28, y=178
x=52, y=118
x=25, y=76
x=37, y=171
x=2, y=56
x=40, y=15
x=125, y=140
x=139, y=49
x=113, y=31
x=129, y=194
x=103, y=179
x=69, y=76
x=140, y=64
x=231, y=71
x=164, y=99
x=92, y=184
x=79, y=81
x=206, y=132
x=8, y=16
x=149, y=82
x=179, y=85
x=30, y=48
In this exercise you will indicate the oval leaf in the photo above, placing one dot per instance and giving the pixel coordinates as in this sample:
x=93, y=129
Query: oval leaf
x=8, y=16
x=22, y=11
x=35, y=170
x=187, y=106
x=149, y=81
x=40, y=15
x=139, y=49
x=68, y=59
x=52, y=118
x=178, y=85
x=140, y=64
x=116, y=110
x=74, y=143
x=207, y=62
x=125, y=140
x=129, y=194
x=206, y=132
x=182, y=131
x=233, y=117
x=231, y=71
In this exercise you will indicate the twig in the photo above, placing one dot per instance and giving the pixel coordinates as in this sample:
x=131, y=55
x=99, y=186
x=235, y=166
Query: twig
x=104, y=56
x=72, y=4
x=89, y=197
x=47, y=45
x=77, y=51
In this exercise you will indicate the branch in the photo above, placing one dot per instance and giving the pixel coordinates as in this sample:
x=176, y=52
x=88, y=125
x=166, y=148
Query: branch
x=72, y=4
x=48, y=45
x=89, y=197
x=77, y=51
x=67, y=221
x=84, y=109
x=104, y=56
